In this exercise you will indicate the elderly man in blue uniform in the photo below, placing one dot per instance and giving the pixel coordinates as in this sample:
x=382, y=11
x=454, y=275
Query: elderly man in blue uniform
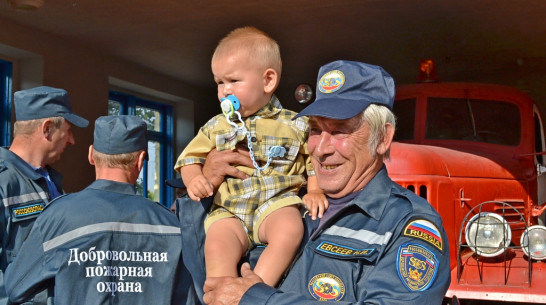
x=361, y=251
x=105, y=244
x=42, y=130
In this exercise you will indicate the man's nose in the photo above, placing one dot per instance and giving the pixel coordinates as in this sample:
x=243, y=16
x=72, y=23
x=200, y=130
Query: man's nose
x=324, y=145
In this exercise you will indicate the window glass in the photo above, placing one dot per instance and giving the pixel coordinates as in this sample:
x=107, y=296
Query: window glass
x=150, y=116
x=486, y=121
x=5, y=102
x=158, y=118
x=404, y=110
x=153, y=172
x=150, y=185
x=114, y=107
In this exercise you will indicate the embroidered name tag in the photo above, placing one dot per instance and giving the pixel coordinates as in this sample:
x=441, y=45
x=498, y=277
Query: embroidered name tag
x=338, y=250
x=27, y=210
x=417, y=266
x=425, y=230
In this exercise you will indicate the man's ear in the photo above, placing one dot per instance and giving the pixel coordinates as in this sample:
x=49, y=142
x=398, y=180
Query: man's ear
x=385, y=143
x=90, y=155
x=47, y=128
x=271, y=80
x=140, y=160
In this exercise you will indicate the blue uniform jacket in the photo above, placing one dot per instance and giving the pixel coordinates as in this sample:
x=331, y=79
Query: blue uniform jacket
x=103, y=245
x=24, y=195
x=387, y=246
x=192, y=217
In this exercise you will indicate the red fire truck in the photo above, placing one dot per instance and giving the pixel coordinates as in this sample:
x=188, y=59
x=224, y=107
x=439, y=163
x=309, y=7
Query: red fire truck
x=476, y=152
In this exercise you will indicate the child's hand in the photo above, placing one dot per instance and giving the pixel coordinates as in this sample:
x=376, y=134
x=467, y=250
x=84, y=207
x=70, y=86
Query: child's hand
x=199, y=188
x=316, y=203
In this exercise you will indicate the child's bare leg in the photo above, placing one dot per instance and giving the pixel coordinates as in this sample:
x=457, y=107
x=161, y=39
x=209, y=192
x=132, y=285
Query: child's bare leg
x=225, y=244
x=283, y=231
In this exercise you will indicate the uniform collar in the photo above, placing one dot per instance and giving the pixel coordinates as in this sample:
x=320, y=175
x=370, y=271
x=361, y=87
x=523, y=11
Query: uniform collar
x=272, y=108
x=25, y=168
x=113, y=186
x=375, y=195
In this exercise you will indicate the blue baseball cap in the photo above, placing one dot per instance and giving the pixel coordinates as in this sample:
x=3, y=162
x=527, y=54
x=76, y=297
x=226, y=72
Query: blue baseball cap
x=45, y=102
x=176, y=183
x=120, y=134
x=346, y=88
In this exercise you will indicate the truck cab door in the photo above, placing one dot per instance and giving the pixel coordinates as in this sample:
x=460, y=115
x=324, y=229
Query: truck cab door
x=540, y=160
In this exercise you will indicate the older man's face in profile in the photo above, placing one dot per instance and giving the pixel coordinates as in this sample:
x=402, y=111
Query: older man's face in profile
x=340, y=154
x=60, y=138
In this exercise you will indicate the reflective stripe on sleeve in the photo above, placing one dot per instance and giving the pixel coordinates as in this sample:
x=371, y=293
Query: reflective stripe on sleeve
x=362, y=235
x=24, y=198
x=109, y=226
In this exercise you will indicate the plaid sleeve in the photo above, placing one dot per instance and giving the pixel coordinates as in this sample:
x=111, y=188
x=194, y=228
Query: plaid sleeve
x=196, y=151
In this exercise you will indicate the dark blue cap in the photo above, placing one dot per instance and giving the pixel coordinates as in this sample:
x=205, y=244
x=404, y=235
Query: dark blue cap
x=176, y=183
x=120, y=134
x=45, y=102
x=346, y=88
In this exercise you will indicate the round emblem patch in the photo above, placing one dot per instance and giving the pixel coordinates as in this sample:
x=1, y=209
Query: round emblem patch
x=326, y=287
x=331, y=81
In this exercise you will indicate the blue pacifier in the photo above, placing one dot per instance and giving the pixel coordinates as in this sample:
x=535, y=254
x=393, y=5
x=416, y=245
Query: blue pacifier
x=229, y=105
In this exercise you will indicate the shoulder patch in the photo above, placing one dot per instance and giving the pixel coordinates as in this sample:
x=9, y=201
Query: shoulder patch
x=417, y=266
x=29, y=210
x=326, y=287
x=425, y=230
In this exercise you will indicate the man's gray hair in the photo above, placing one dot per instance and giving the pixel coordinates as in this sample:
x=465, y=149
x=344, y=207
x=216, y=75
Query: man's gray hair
x=377, y=116
x=25, y=128
x=124, y=161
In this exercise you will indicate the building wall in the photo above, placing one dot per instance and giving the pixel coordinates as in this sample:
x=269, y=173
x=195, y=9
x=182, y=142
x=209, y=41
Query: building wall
x=43, y=59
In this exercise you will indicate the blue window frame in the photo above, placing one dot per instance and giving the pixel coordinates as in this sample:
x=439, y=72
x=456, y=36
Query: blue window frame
x=159, y=119
x=6, y=68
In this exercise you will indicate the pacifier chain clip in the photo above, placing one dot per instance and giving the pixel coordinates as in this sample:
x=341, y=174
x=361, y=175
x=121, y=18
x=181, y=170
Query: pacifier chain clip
x=230, y=105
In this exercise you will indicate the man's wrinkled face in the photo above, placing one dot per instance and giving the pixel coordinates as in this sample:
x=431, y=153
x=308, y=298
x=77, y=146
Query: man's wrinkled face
x=340, y=154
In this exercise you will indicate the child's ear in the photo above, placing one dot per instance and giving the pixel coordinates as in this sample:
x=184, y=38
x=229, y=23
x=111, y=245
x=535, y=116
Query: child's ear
x=271, y=79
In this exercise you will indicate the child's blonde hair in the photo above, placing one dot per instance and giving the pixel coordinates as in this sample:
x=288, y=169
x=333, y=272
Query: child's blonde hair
x=259, y=47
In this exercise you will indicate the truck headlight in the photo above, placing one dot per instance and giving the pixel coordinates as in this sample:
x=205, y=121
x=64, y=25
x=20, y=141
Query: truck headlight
x=533, y=241
x=488, y=234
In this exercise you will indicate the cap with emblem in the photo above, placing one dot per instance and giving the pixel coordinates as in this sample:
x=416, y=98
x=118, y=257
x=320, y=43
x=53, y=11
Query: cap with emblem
x=119, y=134
x=346, y=88
x=45, y=102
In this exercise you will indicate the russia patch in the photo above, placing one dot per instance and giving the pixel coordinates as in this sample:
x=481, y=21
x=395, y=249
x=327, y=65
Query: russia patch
x=425, y=230
x=326, y=287
x=331, y=81
x=417, y=266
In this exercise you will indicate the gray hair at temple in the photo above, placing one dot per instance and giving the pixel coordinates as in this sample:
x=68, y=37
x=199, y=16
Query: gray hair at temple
x=377, y=116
